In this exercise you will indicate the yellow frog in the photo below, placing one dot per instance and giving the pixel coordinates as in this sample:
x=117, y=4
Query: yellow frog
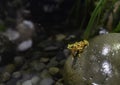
x=77, y=47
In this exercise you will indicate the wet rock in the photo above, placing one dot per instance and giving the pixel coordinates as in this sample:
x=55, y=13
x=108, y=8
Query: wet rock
x=70, y=37
x=35, y=80
x=53, y=62
x=53, y=70
x=103, y=31
x=98, y=64
x=9, y=68
x=47, y=81
x=37, y=66
x=6, y=73
x=16, y=74
x=59, y=82
x=18, y=83
x=6, y=76
x=28, y=82
x=45, y=74
x=12, y=34
x=18, y=60
x=26, y=30
x=60, y=37
x=25, y=45
x=51, y=48
x=12, y=81
x=44, y=60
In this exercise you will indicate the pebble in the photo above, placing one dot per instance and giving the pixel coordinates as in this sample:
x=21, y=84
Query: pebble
x=16, y=74
x=103, y=31
x=18, y=60
x=45, y=74
x=51, y=48
x=37, y=66
x=44, y=60
x=26, y=76
x=60, y=37
x=25, y=45
x=53, y=70
x=19, y=83
x=6, y=76
x=27, y=82
x=35, y=80
x=12, y=34
x=47, y=81
x=12, y=81
x=59, y=82
x=9, y=68
x=28, y=24
x=52, y=62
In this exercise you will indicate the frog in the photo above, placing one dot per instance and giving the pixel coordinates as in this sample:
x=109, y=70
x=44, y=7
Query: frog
x=97, y=64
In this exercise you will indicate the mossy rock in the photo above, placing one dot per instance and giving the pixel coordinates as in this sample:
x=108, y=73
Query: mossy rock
x=98, y=64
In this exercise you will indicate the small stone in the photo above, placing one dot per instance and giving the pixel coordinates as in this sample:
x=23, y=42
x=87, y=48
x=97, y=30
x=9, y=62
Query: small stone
x=26, y=30
x=28, y=82
x=25, y=45
x=53, y=70
x=44, y=60
x=19, y=83
x=6, y=76
x=35, y=80
x=71, y=37
x=59, y=82
x=60, y=37
x=47, y=81
x=51, y=48
x=103, y=31
x=18, y=60
x=37, y=66
x=45, y=74
x=16, y=75
x=52, y=62
x=12, y=81
x=12, y=34
x=9, y=68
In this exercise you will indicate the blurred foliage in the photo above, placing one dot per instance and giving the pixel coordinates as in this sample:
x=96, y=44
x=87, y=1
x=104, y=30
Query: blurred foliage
x=117, y=29
x=95, y=17
x=2, y=27
x=89, y=15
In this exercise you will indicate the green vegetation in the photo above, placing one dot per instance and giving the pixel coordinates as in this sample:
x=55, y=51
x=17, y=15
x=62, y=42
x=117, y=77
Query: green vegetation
x=93, y=14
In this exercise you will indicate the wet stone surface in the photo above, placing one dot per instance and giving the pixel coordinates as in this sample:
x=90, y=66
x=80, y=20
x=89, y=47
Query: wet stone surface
x=98, y=64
